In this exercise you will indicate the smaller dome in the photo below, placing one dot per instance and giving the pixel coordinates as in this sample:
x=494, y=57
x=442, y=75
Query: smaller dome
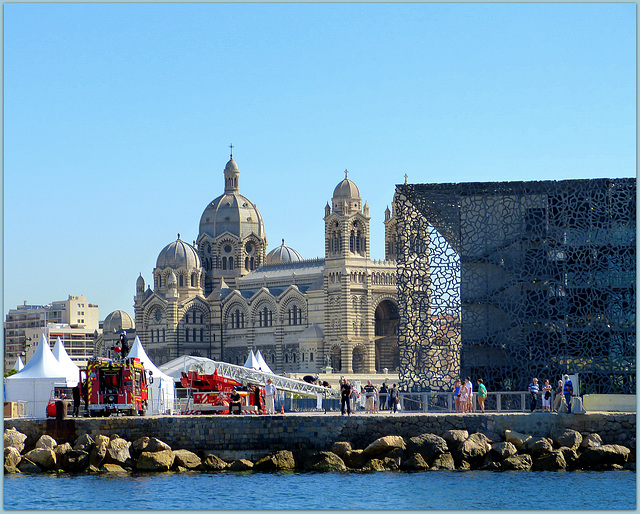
x=346, y=189
x=231, y=166
x=178, y=255
x=140, y=283
x=282, y=254
x=172, y=281
x=117, y=321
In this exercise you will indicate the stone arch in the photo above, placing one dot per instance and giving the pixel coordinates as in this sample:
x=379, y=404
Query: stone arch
x=335, y=357
x=358, y=358
x=386, y=319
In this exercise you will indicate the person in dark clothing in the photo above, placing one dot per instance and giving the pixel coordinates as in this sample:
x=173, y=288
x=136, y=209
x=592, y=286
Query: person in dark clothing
x=124, y=344
x=394, y=396
x=76, y=400
x=383, y=396
x=85, y=394
x=234, y=401
x=345, y=391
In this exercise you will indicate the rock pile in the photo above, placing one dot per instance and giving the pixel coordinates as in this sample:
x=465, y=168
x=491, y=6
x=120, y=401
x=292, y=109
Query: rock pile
x=457, y=449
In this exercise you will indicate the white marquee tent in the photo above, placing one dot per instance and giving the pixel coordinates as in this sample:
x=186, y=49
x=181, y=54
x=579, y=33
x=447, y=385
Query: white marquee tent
x=262, y=364
x=71, y=369
x=18, y=365
x=35, y=382
x=175, y=367
x=161, y=392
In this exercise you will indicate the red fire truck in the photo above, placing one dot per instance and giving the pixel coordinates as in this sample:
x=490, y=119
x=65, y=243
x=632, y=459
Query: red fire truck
x=210, y=393
x=116, y=387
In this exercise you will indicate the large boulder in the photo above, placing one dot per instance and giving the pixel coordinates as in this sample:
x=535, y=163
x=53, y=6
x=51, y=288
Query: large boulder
x=568, y=438
x=280, y=460
x=12, y=456
x=444, y=461
x=384, y=445
x=155, y=461
x=552, y=461
x=455, y=438
x=138, y=446
x=99, y=451
x=28, y=466
x=385, y=464
x=83, y=443
x=186, y=459
x=570, y=457
x=156, y=445
x=591, y=441
x=414, y=463
x=47, y=442
x=516, y=438
x=118, y=452
x=212, y=462
x=340, y=448
x=43, y=457
x=114, y=469
x=607, y=454
x=503, y=450
x=14, y=439
x=475, y=446
x=241, y=465
x=61, y=454
x=76, y=461
x=538, y=446
x=354, y=459
x=324, y=461
x=429, y=446
x=522, y=462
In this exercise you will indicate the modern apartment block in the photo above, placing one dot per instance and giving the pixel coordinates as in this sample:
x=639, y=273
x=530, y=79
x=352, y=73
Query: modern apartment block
x=24, y=325
x=542, y=276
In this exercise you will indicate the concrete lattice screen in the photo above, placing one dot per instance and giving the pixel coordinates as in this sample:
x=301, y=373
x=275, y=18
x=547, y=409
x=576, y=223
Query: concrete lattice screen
x=507, y=281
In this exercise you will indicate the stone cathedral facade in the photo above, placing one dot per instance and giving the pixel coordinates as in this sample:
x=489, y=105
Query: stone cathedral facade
x=224, y=295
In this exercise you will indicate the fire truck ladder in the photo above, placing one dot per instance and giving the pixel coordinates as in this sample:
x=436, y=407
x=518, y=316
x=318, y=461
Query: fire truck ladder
x=253, y=376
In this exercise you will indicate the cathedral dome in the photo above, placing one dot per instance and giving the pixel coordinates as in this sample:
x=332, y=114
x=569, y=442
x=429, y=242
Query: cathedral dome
x=346, y=189
x=178, y=255
x=282, y=254
x=231, y=212
x=117, y=321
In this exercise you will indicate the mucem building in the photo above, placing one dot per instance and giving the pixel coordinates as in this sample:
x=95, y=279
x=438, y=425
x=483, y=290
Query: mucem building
x=507, y=281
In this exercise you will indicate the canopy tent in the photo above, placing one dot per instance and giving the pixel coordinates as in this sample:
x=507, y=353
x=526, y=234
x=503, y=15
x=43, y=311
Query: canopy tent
x=252, y=362
x=161, y=392
x=34, y=383
x=262, y=364
x=72, y=371
x=18, y=365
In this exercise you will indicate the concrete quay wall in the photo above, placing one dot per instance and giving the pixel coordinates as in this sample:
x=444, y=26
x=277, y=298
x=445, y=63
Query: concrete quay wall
x=320, y=431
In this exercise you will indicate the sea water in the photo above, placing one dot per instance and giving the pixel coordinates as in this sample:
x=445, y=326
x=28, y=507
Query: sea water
x=435, y=490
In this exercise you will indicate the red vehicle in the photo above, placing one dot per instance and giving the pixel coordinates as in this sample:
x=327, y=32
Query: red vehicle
x=119, y=387
x=210, y=393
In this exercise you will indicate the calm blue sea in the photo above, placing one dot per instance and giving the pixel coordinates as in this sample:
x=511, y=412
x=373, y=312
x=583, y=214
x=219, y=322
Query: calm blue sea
x=439, y=490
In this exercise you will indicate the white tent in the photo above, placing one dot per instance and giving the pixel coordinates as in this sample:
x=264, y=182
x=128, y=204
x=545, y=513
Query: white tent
x=252, y=362
x=262, y=364
x=35, y=382
x=161, y=392
x=18, y=365
x=72, y=371
x=175, y=367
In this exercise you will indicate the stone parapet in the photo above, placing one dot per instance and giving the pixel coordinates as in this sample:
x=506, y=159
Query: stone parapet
x=320, y=431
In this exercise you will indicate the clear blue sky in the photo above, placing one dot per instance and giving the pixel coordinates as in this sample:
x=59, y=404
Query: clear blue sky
x=118, y=117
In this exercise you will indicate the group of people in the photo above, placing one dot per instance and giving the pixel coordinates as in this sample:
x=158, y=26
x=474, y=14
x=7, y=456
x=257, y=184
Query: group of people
x=463, y=395
x=235, y=400
x=564, y=389
x=384, y=398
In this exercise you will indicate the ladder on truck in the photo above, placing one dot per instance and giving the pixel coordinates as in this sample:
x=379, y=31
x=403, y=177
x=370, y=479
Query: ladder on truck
x=254, y=376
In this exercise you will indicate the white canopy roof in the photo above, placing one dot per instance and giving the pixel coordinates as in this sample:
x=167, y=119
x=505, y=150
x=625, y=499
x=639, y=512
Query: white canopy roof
x=175, y=367
x=18, y=365
x=252, y=362
x=42, y=364
x=262, y=364
x=138, y=351
x=72, y=370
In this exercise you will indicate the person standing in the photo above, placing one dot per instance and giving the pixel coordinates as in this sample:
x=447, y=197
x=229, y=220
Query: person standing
x=76, y=400
x=384, y=391
x=124, y=345
x=482, y=394
x=394, y=397
x=469, y=385
x=558, y=399
x=568, y=392
x=353, y=398
x=456, y=395
x=270, y=396
x=464, y=398
x=369, y=392
x=533, y=391
x=546, y=396
x=345, y=392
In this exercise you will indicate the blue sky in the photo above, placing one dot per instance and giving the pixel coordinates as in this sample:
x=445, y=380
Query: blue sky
x=118, y=117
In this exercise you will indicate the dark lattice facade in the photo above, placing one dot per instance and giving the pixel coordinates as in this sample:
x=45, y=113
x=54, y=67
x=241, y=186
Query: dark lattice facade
x=507, y=281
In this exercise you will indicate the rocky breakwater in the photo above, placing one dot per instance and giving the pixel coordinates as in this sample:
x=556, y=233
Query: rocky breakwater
x=454, y=450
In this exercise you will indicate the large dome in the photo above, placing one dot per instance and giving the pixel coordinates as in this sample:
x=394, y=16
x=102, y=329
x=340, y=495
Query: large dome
x=117, y=321
x=282, y=254
x=178, y=255
x=231, y=213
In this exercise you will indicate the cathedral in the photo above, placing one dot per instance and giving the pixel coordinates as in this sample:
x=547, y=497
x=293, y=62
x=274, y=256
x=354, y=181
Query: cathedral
x=225, y=295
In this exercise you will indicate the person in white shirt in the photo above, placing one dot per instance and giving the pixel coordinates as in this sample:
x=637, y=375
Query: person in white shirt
x=269, y=395
x=469, y=385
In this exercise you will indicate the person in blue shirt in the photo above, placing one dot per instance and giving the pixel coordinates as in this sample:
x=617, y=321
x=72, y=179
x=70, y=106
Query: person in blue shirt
x=568, y=392
x=533, y=391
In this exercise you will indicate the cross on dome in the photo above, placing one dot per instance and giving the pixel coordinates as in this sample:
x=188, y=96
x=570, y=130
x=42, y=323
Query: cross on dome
x=346, y=173
x=231, y=146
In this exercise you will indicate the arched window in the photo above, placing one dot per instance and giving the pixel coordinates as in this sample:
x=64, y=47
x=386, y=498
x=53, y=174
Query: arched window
x=193, y=280
x=230, y=262
x=181, y=281
x=224, y=263
x=246, y=263
x=311, y=356
x=251, y=263
x=186, y=334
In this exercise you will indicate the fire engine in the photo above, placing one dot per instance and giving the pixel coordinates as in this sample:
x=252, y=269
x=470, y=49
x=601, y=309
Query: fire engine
x=116, y=387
